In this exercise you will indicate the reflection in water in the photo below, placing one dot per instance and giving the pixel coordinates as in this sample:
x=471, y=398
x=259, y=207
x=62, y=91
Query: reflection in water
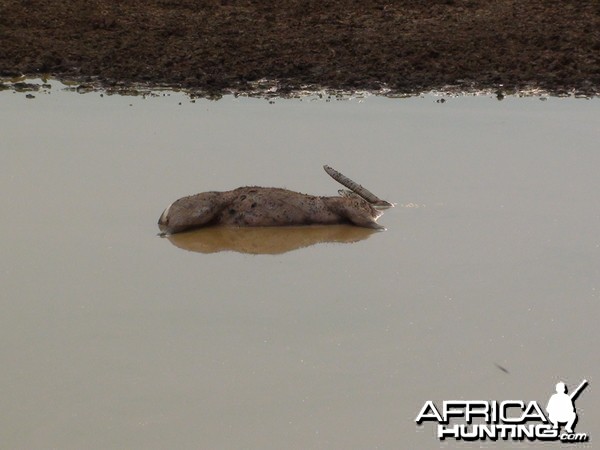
x=266, y=240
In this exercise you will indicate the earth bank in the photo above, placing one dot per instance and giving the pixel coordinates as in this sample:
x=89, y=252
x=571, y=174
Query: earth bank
x=218, y=46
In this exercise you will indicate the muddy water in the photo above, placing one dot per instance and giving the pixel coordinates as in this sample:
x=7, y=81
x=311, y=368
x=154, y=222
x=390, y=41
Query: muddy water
x=112, y=337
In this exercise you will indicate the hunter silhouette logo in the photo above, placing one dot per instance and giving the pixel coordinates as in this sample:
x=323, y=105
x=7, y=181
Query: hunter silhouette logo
x=510, y=419
x=561, y=408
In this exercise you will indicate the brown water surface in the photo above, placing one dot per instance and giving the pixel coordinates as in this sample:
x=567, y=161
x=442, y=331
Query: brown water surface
x=112, y=337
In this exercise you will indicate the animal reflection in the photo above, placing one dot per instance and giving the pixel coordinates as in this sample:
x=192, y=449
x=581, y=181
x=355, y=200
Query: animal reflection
x=268, y=241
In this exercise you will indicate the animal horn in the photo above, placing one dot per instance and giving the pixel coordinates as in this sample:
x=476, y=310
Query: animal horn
x=357, y=188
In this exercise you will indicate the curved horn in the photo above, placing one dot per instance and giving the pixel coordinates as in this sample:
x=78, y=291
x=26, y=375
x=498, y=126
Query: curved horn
x=357, y=188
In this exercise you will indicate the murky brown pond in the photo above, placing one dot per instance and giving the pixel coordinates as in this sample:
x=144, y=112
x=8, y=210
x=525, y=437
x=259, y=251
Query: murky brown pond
x=112, y=337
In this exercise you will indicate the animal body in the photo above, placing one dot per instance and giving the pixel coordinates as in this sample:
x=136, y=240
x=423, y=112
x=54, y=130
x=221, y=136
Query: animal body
x=268, y=207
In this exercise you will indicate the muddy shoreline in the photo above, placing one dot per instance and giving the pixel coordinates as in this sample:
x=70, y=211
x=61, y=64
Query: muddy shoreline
x=388, y=47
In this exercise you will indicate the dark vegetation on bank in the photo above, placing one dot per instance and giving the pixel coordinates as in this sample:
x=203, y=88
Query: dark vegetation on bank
x=223, y=45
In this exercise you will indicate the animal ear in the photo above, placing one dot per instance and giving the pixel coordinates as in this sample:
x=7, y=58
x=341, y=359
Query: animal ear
x=347, y=193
